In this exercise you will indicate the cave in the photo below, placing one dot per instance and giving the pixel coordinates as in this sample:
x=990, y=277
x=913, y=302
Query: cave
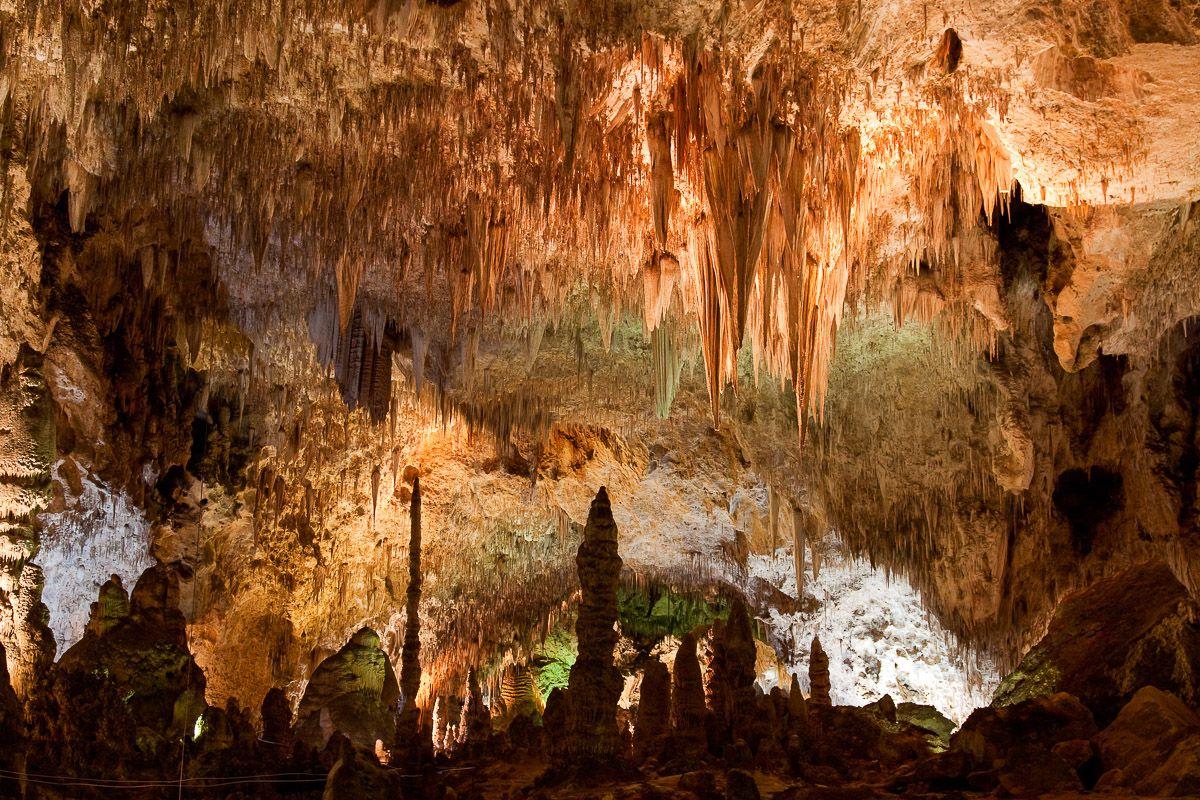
x=537, y=399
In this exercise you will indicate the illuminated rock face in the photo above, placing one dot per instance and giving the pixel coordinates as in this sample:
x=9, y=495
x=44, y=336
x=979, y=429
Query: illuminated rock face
x=595, y=684
x=915, y=280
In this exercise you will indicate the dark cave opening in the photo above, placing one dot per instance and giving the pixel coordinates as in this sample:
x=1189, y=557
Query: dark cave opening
x=1087, y=498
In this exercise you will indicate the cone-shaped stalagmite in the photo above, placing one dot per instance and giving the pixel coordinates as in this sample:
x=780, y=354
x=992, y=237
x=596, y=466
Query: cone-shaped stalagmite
x=595, y=684
x=654, y=710
x=738, y=672
x=687, y=699
x=408, y=735
x=477, y=721
x=818, y=675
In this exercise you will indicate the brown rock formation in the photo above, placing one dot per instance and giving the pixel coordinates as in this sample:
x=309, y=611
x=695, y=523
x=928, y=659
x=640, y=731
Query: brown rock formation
x=1103, y=645
x=276, y=715
x=688, y=712
x=130, y=672
x=654, y=710
x=990, y=734
x=818, y=675
x=797, y=731
x=27, y=449
x=732, y=677
x=354, y=691
x=1143, y=739
x=595, y=684
x=410, y=743
x=12, y=731
x=477, y=720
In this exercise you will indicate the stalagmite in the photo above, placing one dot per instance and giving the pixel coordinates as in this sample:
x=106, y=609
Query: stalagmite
x=797, y=712
x=654, y=710
x=730, y=678
x=410, y=743
x=595, y=684
x=477, y=720
x=277, y=721
x=818, y=675
x=688, y=712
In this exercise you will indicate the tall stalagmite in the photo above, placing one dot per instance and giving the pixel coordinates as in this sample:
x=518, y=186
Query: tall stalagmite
x=595, y=684
x=654, y=710
x=477, y=721
x=738, y=671
x=818, y=675
x=687, y=699
x=408, y=723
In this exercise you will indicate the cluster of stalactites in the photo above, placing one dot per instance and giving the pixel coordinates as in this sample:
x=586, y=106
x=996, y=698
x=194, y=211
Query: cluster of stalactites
x=549, y=148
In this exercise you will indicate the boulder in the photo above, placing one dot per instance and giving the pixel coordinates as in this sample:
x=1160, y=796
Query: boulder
x=1101, y=647
x=936, y=725
x=740, y=785
x=990, y=734
x=1144, y=737
x=1033, y=771
x=1179, y=775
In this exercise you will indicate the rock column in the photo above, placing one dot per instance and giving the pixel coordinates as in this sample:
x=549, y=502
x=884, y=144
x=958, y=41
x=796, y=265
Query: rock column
x=654, y=710
x=818, y=675
x=408, y=734
x=595, y=684
x=687, y=700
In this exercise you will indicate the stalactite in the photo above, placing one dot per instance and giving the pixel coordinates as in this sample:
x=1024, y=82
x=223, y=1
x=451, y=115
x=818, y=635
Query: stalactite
x=798, y=551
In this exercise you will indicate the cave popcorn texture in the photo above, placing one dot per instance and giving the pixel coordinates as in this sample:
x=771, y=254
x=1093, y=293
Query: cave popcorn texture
x=878, y=636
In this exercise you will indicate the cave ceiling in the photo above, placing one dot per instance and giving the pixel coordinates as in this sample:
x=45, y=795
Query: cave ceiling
x=914, y=276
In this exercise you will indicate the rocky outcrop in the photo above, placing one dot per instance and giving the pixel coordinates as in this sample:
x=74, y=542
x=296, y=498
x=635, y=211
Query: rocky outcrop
x=1105, y=642
x=595, y=684
x=1151, y=746
x=356, y=774
x=354, y=691
x=990, y=735
x=127, y=693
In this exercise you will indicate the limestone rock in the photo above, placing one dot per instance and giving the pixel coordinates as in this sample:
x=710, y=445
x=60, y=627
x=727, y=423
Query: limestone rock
x=357, y=775
x=1101, y=647
x=127, y=692
x=354, y=691
x=740, y=785
x=595, y=684
x=990, y=734
x=818, y=675
x=688, y=712
x=1033, y=771
x=654, y=710
x=1145, y=734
